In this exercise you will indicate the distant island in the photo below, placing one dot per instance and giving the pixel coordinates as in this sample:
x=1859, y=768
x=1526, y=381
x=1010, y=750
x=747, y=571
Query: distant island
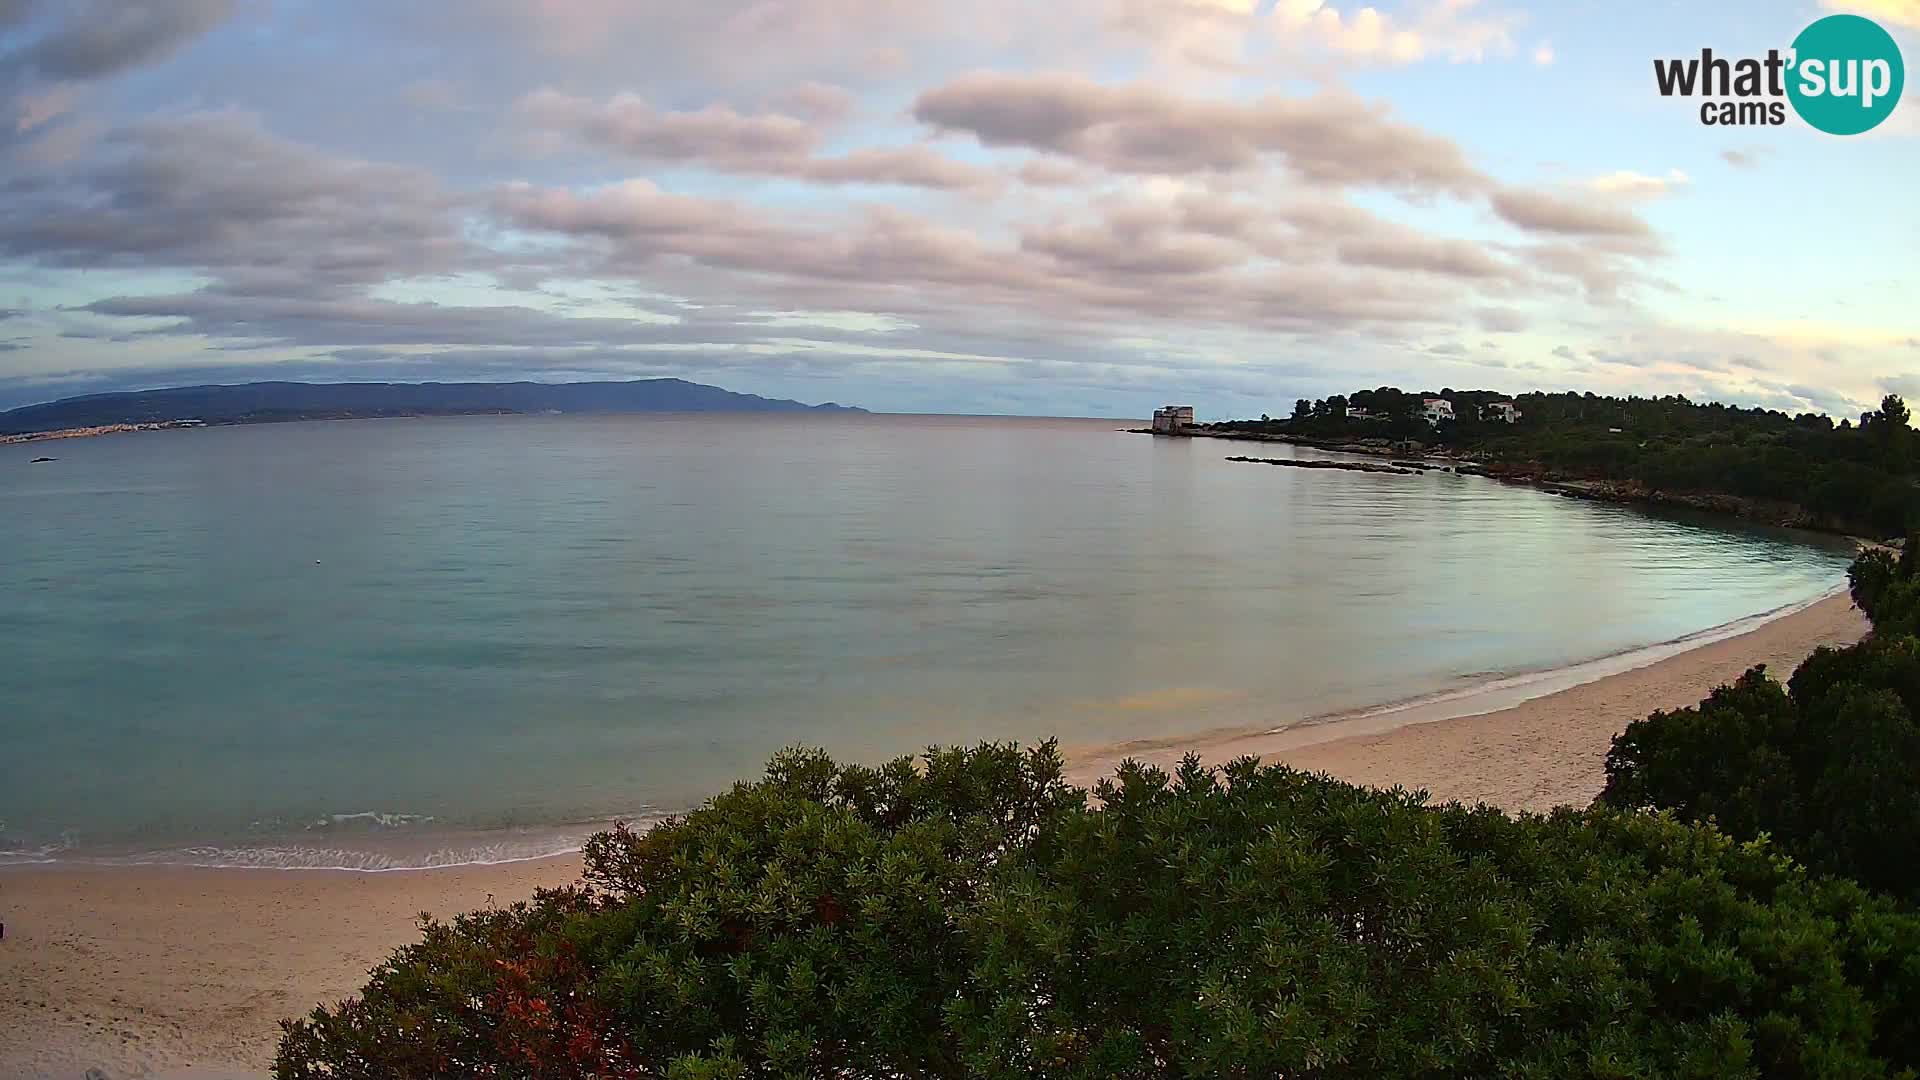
x=272, y=402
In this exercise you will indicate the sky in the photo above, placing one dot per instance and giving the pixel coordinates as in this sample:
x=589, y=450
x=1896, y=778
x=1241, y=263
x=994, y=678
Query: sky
x=1079, y=207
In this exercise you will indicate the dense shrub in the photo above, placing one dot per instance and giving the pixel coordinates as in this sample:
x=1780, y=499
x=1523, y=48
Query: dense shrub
x=975, y=916
x=1828, y=767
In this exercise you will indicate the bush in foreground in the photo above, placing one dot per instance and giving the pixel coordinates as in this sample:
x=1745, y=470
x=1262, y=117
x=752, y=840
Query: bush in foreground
x=975, y=916
x=1828, y=767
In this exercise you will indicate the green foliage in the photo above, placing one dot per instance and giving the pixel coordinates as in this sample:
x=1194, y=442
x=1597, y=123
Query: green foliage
x=1828, y=767
x=972, y=915
x=1860, y=479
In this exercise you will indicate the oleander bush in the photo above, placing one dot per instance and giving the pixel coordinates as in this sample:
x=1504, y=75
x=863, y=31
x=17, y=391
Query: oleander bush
x=971, y=914
x=1827, y=767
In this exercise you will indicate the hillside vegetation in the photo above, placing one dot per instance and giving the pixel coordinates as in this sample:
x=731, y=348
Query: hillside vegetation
x=1851, y=476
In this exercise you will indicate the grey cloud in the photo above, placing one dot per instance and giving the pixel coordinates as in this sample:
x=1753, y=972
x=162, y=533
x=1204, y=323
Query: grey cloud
x=92, y=39
x=1741, y=159
x=1052, y=172
x=1540, y=211
x=632, y=126
x=1096, y=248
x=215, y=192
x=1328, y=138
x=1565, y=353
x=1432, y=254
x=899, y=262
x=1503, y=320
x=1603, y=274
x=1907, y=386
x=363, y=322
x=910, y=166
x=818, y=102
x=717, y=137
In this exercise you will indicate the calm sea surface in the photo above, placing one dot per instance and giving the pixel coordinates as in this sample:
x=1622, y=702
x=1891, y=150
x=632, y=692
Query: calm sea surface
x=382, y=642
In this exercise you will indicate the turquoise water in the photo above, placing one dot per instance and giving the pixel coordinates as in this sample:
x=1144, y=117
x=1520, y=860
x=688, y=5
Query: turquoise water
x=368, y=643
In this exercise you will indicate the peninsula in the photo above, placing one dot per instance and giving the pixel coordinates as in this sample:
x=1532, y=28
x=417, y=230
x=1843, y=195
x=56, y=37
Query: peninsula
x=1859, y=477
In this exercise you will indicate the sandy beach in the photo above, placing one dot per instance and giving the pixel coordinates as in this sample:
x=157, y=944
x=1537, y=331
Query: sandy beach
x=182, y=973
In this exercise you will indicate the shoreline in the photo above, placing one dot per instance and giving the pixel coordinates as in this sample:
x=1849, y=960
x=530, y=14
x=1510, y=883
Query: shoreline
x=1585, y=488
x=149, y=970
x=409, y=850
x=1544, y=750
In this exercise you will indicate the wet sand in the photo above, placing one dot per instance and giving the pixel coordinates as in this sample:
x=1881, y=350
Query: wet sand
x=151, y=971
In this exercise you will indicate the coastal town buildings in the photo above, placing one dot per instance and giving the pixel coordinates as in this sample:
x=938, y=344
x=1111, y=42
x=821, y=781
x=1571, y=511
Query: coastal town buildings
x=1504, y=411
x=1435, y=409
x=1362, y=414
x=1172, y=420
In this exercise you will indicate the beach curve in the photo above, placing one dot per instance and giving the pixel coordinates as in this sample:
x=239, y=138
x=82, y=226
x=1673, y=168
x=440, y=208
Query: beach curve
x=145, y=971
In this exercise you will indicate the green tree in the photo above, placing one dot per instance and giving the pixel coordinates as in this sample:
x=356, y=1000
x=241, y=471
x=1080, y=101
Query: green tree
x=972, y=915
x=1828, y=767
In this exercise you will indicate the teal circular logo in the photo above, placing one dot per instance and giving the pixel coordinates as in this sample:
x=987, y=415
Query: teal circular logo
x=1845, y=75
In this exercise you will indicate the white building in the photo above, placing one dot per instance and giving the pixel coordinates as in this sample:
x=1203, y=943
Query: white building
x=1172, y=419
x=1360, y=414
x=1435, y=409
x=1504, y=411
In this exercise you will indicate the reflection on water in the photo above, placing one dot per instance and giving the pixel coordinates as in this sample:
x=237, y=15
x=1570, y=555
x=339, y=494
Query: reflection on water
x=511, y=622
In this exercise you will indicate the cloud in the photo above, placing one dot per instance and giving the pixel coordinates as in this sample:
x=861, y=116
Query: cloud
x=1461, y=30
x=1543, y=55
x=1542, y=211
x=93, y=39
x=1367, y=33
x=1413, y=251
x=817, y=102
x=766, y=144
x=1633, y=185
x=1898, y=12
x=14, y=12
x=1329, y=138
x=1503, y=320
x=216, y=192
x=1741, y=159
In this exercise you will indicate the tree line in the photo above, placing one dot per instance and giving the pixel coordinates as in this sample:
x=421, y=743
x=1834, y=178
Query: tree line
x=1852, y=476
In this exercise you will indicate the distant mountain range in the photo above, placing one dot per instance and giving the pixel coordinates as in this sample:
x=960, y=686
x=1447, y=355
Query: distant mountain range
x=266, y=402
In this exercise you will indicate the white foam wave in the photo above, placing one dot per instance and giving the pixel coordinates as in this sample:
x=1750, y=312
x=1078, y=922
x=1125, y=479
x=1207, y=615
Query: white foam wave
x=375, y=818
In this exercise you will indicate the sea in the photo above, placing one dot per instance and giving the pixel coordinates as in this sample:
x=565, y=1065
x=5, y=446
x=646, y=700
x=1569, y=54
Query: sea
x=385, y=644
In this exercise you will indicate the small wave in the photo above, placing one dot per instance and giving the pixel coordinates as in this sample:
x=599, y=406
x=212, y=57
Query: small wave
x=360, y=860
x=36, y=854
x=371, y=819
x=381, y=843
x=1495, y=691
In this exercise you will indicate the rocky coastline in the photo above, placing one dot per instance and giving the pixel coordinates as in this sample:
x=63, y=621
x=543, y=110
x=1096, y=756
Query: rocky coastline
x=1402, y=452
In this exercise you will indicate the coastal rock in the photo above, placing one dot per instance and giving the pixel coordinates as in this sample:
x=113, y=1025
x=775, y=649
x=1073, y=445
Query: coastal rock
x=38, y=460
x=1348, y=466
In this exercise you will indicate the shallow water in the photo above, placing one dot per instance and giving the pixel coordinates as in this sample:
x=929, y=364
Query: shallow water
x=393, y=642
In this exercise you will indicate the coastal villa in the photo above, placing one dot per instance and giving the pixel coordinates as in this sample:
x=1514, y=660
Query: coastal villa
x=1435, y=409
x=1504, y=411
x=1362, y=414
x=1173, y=420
